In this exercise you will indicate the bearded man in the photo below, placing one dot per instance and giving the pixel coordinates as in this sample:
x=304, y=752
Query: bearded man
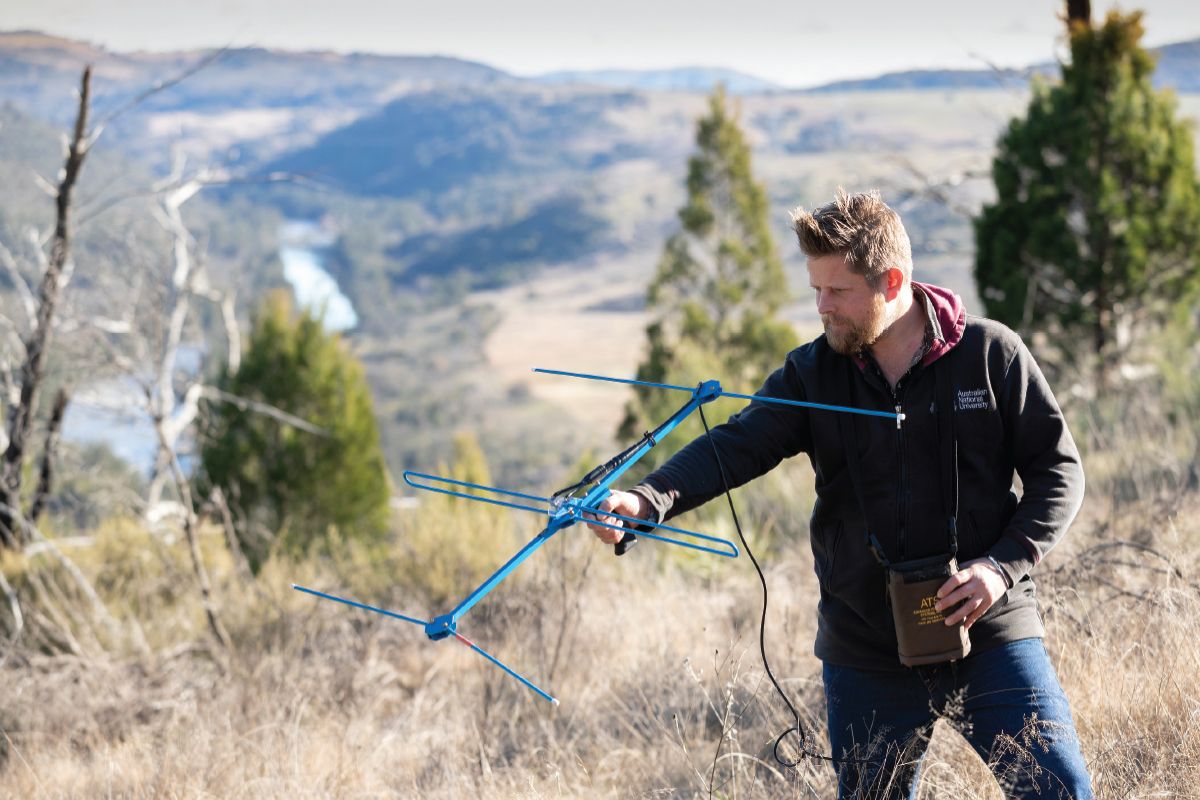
x=936, y=487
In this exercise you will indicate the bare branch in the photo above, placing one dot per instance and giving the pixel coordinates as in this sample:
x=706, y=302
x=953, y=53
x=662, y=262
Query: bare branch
x=183, y=417
x=183, y=414
x=233, y=334
x=231, y=538
x=46, y=477
x=167, y=414
x=160, y=86
x=37, y=242
x=189, y=530
x=99, y=206
x=44, y=184
x=1003, y=77
x=14, y=609
x=939, y=188
x=11, y=392
x=44, y=608
x=264, y=408
x=30, y=533
x=24, y=293
x=113, y=326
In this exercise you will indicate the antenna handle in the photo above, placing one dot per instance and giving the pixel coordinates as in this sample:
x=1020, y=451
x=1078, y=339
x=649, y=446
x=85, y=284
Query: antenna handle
x=627, y=541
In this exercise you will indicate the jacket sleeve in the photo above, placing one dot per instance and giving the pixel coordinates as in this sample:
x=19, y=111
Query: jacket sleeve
x=750, y=443
x=1046, y=459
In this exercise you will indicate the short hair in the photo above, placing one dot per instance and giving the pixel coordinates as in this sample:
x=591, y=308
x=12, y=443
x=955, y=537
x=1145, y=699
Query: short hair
x=860, y=227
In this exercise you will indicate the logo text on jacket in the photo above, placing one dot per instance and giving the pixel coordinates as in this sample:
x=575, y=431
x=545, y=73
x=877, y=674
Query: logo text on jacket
x=972, y=399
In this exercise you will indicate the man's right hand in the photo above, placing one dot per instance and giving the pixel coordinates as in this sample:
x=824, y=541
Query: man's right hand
x=627, y=504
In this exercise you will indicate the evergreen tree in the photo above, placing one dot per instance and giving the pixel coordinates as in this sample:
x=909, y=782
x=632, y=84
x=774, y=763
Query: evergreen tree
x=719, y=282
x=292, y=486
x=1093, y=236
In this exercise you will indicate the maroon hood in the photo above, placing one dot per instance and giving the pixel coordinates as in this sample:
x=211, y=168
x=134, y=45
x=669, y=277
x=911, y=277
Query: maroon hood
x=951, y=317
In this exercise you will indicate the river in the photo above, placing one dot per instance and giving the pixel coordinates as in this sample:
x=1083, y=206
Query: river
x=302, y=248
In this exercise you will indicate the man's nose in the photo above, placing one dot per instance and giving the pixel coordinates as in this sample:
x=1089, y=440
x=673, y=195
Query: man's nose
x=824, y=303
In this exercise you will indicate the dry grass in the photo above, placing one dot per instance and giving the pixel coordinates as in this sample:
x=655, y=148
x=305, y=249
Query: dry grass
x=656, y=665
x=560, y=322
x=655, y=659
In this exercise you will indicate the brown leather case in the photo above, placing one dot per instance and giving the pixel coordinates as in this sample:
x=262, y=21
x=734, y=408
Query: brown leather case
x=921, y=629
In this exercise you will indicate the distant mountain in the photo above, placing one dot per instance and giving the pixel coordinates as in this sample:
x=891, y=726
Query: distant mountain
x=34, y=66
x=1179, y=66
x=1178, y=69
x=681, y=79
x=931, y=79
x=427, y=143
x=247, y=105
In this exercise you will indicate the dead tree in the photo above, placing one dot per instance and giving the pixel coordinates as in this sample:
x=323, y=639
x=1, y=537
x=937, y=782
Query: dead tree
x=171, y=403
x=32, y=370
x=151, y=358
x=171, y=418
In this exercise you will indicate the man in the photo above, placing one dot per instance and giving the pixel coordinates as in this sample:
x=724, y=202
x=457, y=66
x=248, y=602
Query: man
x=888, y=342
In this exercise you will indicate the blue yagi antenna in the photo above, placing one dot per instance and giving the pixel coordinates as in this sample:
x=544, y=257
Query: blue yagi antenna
x=572, y=504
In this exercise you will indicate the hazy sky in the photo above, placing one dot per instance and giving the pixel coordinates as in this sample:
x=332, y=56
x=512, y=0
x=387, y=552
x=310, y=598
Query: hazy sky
x=794, y=43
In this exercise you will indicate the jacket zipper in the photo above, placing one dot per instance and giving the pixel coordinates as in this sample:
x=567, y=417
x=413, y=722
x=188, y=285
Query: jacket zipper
x=903, y=475
x=903, y=480
x=901, y=505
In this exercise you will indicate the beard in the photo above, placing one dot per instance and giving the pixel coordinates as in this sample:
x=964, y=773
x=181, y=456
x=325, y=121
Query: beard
x=850, y=337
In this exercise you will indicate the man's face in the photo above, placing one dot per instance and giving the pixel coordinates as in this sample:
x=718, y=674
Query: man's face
x=854, y=314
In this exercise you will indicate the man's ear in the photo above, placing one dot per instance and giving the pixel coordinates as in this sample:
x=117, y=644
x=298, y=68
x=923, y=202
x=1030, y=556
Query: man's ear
x=893, y=283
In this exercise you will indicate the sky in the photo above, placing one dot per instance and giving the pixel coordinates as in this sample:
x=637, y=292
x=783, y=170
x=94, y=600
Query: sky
x=793, y=43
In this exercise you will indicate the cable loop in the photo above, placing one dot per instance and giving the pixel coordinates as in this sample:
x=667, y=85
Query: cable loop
x=805, y=750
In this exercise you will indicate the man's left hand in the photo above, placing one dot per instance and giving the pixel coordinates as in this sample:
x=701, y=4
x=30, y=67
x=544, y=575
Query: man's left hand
x=978, y=583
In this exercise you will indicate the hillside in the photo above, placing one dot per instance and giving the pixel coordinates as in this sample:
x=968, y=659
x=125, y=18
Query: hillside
x=680, y=79
x=245, y=77
x=1178, y=69
x=246, y=105
x=502, y=220
x=936, y=80
x=116, y=237
x=427, y=143
x=1179, y=66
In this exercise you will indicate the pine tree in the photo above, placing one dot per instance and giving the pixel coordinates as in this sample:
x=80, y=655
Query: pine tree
x=719, y=282
x=291, y=486
x=1093, y=236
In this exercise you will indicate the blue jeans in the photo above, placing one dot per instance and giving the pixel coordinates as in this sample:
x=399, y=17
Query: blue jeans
x=1006, y=702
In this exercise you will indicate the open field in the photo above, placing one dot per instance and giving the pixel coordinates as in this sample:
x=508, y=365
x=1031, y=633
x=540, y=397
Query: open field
x=654, y=658
x=560, y=321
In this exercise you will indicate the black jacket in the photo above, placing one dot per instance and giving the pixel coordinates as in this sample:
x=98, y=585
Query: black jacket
x=1006, y=421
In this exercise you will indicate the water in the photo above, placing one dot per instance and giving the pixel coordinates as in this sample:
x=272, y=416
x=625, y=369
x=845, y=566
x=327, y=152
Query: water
x=112, y=412
x=301, y=246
